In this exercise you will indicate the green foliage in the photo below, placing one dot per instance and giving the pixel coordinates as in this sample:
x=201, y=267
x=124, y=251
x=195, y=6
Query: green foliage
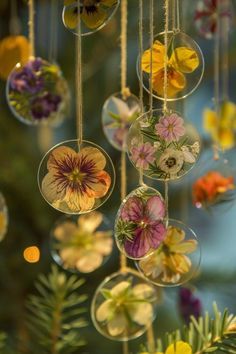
x=54, y=317
x=206, y=335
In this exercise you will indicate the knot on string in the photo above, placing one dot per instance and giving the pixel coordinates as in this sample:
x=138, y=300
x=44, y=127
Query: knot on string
x=125, y=92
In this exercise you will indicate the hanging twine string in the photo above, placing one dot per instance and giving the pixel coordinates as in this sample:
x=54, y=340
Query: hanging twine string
x=123, y=259
x=167, y=202
x=173, y=15
x=15, y=25
x=166, y=8
x=124, y=16
x=225, y=50
x=177, y=16
x=151, y=21
x=125, y=347
x=31, y=27
x=53, y=45
x=217, y=75
x=150, y=339
x=79, y=90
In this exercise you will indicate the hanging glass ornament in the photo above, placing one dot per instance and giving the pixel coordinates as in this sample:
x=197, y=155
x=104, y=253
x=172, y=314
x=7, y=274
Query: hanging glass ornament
x=76, y=178
x=206, y=16
x=37, y=93
x=221, y=126
x=3, y=217
x=13, y=50
x=214, y=185
x=118, y=113
x=82, y=244
x=177, y=259
x=139, y=227
x=93, y=15
x=123, y=306
x=185, y=66
x=162, y=145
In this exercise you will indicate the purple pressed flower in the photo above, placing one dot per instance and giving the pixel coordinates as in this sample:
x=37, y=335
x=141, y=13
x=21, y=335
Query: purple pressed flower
x=26, y=80
x=189, y=305
x=42, y=107
x=143, y=155
x=170, y=128
x=35, y=64
x=147, y=217
x=120, y=135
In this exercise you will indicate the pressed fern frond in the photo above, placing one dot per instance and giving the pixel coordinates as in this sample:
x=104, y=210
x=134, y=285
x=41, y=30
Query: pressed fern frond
x=54, y=317
x=205, y=334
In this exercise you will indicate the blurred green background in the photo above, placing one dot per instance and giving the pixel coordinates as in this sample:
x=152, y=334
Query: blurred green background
x=31, y=218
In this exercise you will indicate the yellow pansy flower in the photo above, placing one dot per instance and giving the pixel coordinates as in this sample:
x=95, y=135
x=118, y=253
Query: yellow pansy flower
x=221, y=127
x=183, y=60
x=93, y=13
x=13, y=50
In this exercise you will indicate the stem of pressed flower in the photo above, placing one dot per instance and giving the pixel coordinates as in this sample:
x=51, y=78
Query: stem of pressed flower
x=225, y=50
x=53, y=31
x=217, y=76
x=151, y=21
x=124, y=17
x=150, y=339
x=31, y=27
x=141, y=72
x=125, y=348
x=79, y=98
x=166, y=55
x=167, y=202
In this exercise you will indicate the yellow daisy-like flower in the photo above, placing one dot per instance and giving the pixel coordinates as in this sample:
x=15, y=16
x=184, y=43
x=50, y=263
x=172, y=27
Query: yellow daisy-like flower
x=93, y=13
x=221, y=127
x=183, y=60
x=13, y=50
x=170, y=262
x=179, y=347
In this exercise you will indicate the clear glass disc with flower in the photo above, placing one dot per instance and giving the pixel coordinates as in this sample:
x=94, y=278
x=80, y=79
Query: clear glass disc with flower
x=93, y=15
x=176, y=261
x=3, y=217
x=82, y=244
x=214, y=184
x=139, y=226
x=163, y=145
x=37, y=93
x=119, y=112
x=76, y=178
x=185, y=66
x=124, y=305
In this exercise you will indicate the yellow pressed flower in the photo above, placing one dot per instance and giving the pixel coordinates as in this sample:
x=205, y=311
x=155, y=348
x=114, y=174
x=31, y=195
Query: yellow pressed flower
x=179, y=347
x=183, y=60
x=93, y=13
x=221, y=127
x=13, y=50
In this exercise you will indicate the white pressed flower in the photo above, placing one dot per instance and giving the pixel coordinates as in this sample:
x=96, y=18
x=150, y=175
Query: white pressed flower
x=188, y=156
x=134, y=141
x=171, y=161
x=195, y=148
x=144, y=123
x=157, y=144
x=123, y=110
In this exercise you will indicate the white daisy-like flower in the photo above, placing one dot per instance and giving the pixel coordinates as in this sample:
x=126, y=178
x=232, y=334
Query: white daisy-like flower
x=188, y=155
x=126, y=114
x=126, y=304
x=171, y=162
x=195, y=148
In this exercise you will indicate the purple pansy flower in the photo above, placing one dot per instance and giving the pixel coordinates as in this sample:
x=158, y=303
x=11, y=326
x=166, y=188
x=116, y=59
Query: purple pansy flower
x=147, y=217
x=189, y=304
x=43, y=106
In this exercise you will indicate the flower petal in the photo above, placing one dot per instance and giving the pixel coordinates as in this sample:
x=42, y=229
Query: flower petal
x=78, y=202
x=155, y=234
x=132, y=209
x=179, y=347
x=120, y=288
x=155, y=208
x=143, y=291
x=178, y=263
x=89, y=261
x=66, y=231
x=141, y=313
x=122, y=108
x=90, y=222
x=60, y=154
x=50, y=189
x=69, y=256
x=94, y=19
x=174, y=236
x=104, y=311
x=93, y=155
x=103, y=242
x=139, y=246
x=184, y=59
x=109, y=3
x=158, y=54
x=184, y=247
x=176, y=83
x=117, y=325
x=102, y=185
x=71, y=18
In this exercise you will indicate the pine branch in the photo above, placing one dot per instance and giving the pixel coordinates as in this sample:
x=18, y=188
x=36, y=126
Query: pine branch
x=55, y=314
x=205, y=335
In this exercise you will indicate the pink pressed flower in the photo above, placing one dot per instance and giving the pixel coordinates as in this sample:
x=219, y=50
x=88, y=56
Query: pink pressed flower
x=170, y=128
x=143, y=155
x=149, y=229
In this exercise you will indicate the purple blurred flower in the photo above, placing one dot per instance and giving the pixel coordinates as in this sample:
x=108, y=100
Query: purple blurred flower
x=27, y=80
x=42, y=107
x=147, y=217
x=189, y=305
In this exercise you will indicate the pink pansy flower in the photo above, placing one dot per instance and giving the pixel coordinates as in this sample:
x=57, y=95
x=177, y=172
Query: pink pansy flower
x=148, y=230
x=170, y=128
x=143, y=155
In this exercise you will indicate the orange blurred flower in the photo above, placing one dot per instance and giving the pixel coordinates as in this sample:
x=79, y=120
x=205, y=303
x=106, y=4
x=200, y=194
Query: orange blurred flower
x=211, y=186
x=13, y=50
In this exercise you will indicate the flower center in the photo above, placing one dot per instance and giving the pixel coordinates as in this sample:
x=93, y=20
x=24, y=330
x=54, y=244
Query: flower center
x=170, y=162
x=170, y=128
x=143, y=224
x=76, y=176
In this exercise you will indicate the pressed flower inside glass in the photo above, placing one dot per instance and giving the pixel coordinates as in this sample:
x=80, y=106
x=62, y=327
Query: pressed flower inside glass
x=162, y=145
x=76, y=179
x=37, y=93
x=185, y=66
x=93, y=14
x=3, y=217
x=82, y=244
x=123, y=306
x=222, y=125
x=139, y=227
x=206, y=16
x=176, y=260
x=118, y=114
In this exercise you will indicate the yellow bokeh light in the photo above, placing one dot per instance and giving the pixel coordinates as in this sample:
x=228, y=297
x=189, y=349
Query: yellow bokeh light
x=32, y=254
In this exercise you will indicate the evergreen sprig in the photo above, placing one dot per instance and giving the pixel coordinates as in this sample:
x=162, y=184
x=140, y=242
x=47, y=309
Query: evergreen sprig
x=54, y=317
x=205, y=334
